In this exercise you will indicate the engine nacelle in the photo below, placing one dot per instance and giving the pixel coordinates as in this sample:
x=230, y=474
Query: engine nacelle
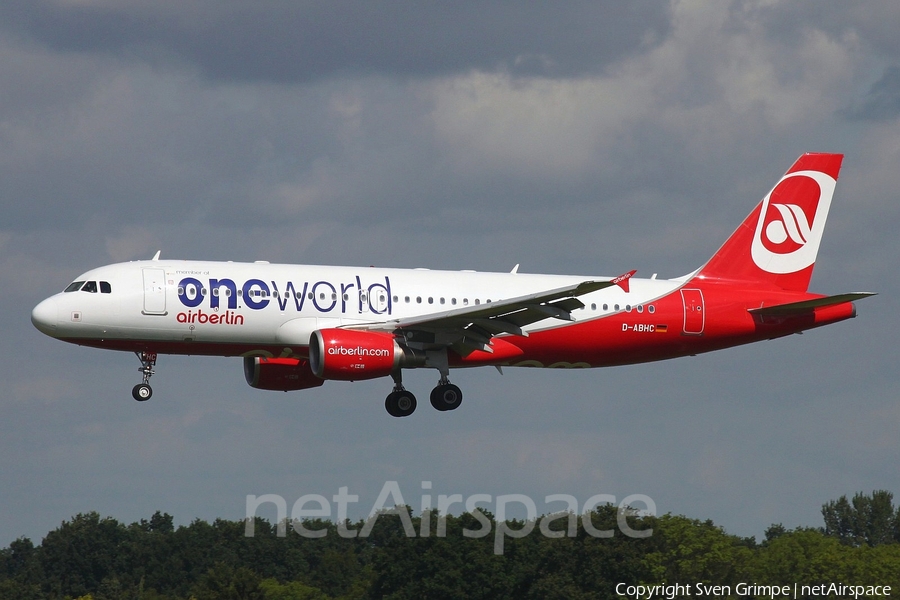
x=279, y=374
x=353, y=355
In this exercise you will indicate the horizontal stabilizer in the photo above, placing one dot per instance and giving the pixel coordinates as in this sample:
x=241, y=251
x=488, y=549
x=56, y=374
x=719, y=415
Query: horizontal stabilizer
x=805, y=306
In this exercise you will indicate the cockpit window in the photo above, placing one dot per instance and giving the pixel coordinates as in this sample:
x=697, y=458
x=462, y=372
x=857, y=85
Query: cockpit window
x=90, y=286
x=74, y=286
x=105, y=288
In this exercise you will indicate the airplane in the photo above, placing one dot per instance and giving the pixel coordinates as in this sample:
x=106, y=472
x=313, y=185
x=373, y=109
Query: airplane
x=297, y=326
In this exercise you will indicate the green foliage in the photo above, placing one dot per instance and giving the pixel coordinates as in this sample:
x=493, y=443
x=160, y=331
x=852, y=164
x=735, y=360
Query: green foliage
x=687, y=550
x=868, y=520
x=224, y=582
x=293, y=590
x=102, y=559
x=808, y=555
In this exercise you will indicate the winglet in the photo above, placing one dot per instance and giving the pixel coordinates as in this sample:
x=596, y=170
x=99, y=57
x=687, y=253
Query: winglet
x=622, y=280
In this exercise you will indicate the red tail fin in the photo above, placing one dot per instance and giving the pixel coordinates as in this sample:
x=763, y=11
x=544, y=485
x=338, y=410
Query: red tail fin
x=777, y=244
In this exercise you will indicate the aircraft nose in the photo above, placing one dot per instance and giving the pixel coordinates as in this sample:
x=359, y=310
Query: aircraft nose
x=45, y=316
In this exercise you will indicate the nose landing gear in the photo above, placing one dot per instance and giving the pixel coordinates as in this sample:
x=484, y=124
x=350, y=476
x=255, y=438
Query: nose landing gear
x=143, y=391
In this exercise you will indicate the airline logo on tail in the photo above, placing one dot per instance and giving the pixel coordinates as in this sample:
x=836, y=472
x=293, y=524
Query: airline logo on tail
x=791, y=222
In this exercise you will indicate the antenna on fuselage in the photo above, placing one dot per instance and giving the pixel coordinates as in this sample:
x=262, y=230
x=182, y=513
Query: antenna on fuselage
x=156, y=256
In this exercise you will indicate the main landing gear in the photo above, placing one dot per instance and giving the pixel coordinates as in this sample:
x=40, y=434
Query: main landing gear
x=446, y=396
x=143, y=391
x=402, y=403
x=399, y=403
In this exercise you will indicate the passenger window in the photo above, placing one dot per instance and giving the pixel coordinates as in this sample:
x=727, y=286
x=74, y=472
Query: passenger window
x=90, y=286
x=74, y=286
x=105, y=288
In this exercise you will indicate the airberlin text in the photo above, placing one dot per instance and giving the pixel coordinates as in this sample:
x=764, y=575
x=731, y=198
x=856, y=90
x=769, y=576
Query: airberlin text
x=229, y=317
x=353, y=296
x=358, y=351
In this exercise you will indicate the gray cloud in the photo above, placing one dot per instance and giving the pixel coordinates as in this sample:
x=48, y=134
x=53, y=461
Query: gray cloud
x=882, y=101
x=568, y=139
x=289, y=42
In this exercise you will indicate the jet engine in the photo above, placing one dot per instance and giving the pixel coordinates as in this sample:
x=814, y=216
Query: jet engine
x=353, y=355
x=280, y=374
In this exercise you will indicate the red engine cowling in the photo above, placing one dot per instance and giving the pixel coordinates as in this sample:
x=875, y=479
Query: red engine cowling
x=280, y=374
x=352, y=355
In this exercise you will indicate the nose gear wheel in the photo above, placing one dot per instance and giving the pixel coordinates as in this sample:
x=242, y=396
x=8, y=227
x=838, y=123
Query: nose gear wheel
x=143, y=391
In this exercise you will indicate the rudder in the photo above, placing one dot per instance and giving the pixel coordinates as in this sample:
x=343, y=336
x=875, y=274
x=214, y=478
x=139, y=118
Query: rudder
x=778, y=242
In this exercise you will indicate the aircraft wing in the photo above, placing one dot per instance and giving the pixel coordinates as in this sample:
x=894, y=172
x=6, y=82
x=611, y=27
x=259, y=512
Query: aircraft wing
x=471, y=328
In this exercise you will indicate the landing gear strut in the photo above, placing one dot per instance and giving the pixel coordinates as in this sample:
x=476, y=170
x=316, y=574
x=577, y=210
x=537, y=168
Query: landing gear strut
x=399, y=403
x=143, y=391
x=445, y=396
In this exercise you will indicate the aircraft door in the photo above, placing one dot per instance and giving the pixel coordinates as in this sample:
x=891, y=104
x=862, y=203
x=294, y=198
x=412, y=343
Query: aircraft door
x=694, y=312
x=378, y=300
x=363, y=301
x=154, y=291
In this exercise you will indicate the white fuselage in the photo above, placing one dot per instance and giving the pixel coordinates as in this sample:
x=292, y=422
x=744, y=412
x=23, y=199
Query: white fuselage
x=239, y=306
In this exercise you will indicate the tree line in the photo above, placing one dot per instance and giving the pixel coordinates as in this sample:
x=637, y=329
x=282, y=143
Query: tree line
x=90, y=557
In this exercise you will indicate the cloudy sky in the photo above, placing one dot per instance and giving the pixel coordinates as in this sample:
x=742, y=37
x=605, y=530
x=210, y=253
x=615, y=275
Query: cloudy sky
x=577, y=138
